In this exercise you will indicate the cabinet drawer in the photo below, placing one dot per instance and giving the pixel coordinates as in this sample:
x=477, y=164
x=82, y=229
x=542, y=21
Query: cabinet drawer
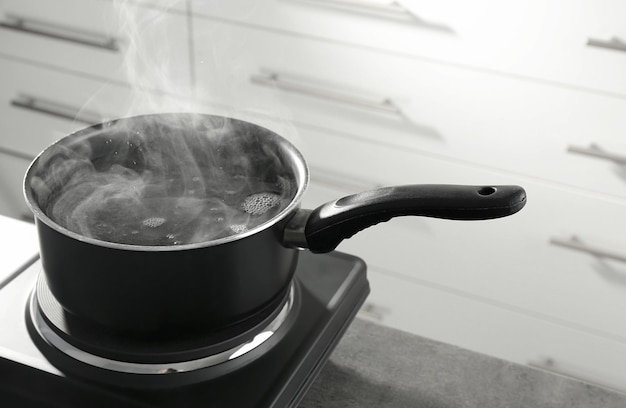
x=39, y=106
x=493, y=121
x=511, y=261
x=88, y=37
x=12, y=201
x=553, y=41
x=502, y=332
x=16, y=256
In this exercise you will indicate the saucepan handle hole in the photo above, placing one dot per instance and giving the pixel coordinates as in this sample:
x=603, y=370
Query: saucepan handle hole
x=485, y=191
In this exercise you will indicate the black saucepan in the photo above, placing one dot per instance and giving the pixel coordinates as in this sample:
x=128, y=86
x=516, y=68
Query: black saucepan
x=165, y=223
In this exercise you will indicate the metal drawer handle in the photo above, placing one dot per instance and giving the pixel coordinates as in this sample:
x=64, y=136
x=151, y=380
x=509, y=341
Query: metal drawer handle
x=54, y=108
x=285, y=83
x=595, y=151
x=51, y=30
x=614, y=43
x=577, y=245
x=393, y=10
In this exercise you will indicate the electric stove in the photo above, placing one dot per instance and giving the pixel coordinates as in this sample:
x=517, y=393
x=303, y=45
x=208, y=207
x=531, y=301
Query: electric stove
x=46, y=360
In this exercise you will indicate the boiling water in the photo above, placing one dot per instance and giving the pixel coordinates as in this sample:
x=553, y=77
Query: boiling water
x=153, y=222
x=170, y=220
x=163, y=191
x=259, y=204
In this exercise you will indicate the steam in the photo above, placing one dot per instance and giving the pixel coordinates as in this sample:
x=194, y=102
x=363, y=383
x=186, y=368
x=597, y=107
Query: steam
x=163, y=179
x=155, y=57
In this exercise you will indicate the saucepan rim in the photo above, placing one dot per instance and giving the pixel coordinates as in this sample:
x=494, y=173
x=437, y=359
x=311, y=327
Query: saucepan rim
x=301, y=172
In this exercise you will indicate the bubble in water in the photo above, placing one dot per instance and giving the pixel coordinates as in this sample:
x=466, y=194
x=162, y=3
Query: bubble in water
x=153, y=222
x=238, y=228
x=258, y=204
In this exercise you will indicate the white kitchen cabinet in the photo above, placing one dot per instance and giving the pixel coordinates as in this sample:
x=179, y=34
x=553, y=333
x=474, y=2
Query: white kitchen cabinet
x=12, y=201
x=498, y=122
x=509, y=261
x=40, y=106
x=500, y=287
x=494, y=329
x=92, y=38
x=545, y=41
x=16, y=257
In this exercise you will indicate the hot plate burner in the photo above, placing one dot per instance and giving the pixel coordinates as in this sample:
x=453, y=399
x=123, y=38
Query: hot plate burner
x=53, y=328
x=45, y=349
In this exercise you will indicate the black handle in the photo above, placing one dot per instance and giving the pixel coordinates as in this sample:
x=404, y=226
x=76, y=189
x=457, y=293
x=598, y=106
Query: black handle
x=337, y=220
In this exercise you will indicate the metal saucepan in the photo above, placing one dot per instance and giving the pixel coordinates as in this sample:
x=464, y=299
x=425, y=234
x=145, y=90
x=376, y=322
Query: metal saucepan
x=158, y=224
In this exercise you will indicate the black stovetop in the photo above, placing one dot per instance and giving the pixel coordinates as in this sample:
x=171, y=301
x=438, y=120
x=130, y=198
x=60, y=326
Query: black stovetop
x=328, y=291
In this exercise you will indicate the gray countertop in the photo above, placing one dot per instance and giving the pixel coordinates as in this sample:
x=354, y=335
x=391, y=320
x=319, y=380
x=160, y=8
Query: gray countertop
x=374, y=366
